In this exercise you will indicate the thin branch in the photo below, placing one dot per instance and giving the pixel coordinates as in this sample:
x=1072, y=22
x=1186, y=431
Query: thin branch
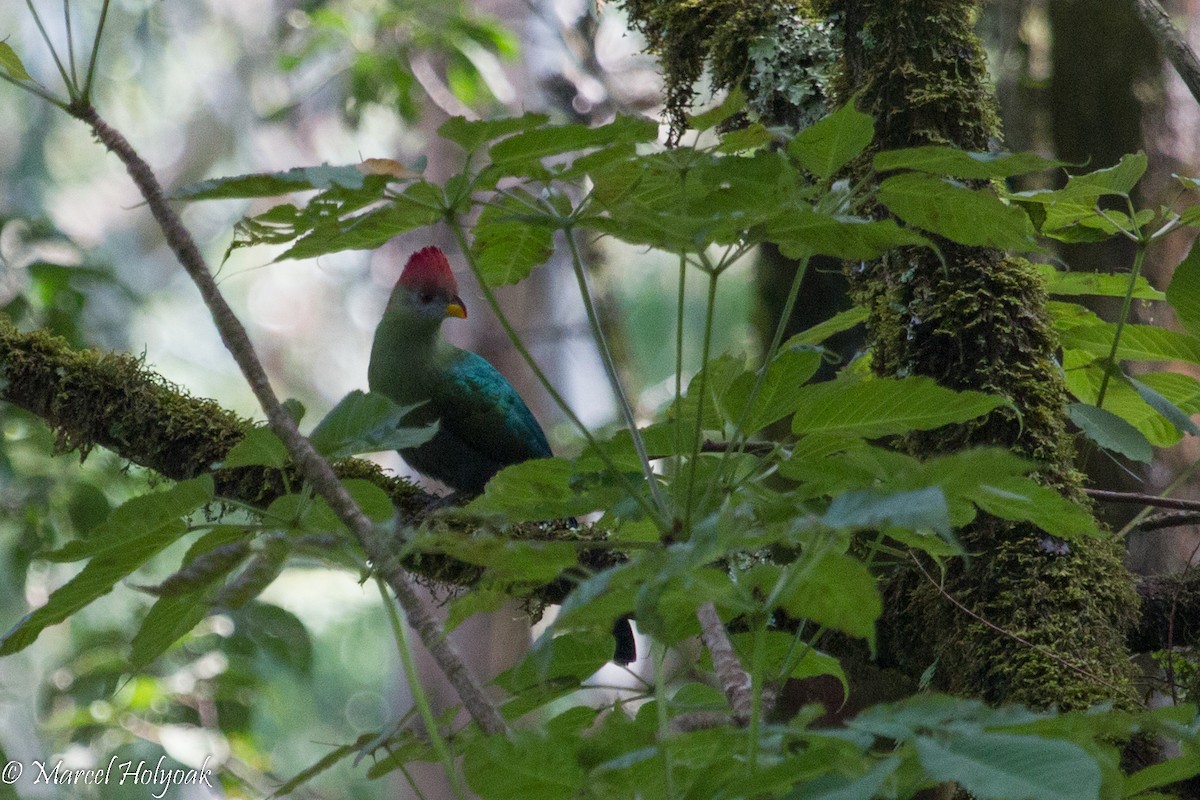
x=735, y=681
x=1050, y=654
x=1139, y=499
x=315, y=468
x=86, y=96
x=1171, y=42
x=610, y=369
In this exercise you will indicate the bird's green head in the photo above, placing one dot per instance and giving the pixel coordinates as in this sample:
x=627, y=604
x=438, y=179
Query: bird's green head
x=427, y=290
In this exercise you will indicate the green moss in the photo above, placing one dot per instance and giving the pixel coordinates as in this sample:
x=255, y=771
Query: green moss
x=1055, y=621
x=776, y=50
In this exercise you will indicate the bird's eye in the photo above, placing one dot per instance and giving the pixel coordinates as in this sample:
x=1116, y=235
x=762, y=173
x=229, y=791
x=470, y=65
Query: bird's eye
x=426, y=297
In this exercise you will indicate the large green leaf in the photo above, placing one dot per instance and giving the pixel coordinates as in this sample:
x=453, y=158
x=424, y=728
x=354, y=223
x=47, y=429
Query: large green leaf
x=874, y=508
x=801, y=232
x=1006, y=766
x=1138, y=342
x=1184, y=292
x=885, y=406
x=541, y=489
x=538, y=143
x=1084, y=372
x=829, y=144
x=414, y=208
x=137, y=516
x=957, y=163
x=779, y=389
x=169, y=619
x=1101, y=284
x=523, y=766
x=96, y=580
x=470, y=134
x=272, y=184
x=835, y=590
x=259, y=447
x=366, y=422
x=967, y=216
x=841, y=321
x=511, y=238
x=1021, y=499
x=1111, y=432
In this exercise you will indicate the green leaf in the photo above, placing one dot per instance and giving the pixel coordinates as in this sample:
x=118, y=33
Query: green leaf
x=277, y=633
x=967, y=216
x=1111, y=432
x=886, y=406
x=575, y=655
x=1174, y=414
x=470, y=134
x=10, y=62
x=523, y=766
x=540, y=489
x=538, y=143
x=260, y=447
x=1184, y=292
x=957, y=163
x=872, y=508
x=830, y=143
x=800, y=232
x=510, y=239
x=836, y=786
x=835, y=590
x=96, y=580
x=996, y=765
x=1059, y=282
x=841, y=321
x=272, y=184
x=1118, y=179
x=366, y=422
x=734, y=102
x=1138, y=342
x=169, y=619
x=778, y=392
x=1021, y=499
x=138, y=516
x=415, y=208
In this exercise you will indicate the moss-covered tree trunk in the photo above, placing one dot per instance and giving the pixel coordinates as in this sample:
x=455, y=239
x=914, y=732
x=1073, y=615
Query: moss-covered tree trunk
x=1051, y=617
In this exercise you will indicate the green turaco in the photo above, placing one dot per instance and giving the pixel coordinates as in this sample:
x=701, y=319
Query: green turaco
x=483, y=424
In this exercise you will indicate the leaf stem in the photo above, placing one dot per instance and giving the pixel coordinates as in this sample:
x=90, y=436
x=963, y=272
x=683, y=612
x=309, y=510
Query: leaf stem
x=1126, y=303
x=701, y=388
x=614, y=380
x=62, y=70
x=420, y=697
x=86, y=97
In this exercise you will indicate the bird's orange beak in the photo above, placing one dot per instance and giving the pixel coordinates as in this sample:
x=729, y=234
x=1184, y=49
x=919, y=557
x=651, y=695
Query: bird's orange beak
x=456, y=308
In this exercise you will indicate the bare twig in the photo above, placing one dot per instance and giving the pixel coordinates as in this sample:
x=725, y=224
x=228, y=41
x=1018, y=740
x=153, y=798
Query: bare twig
x=1171, y=42
x=314, y=468
x=735, y=681
x=1050, y=654
x=1136, y=498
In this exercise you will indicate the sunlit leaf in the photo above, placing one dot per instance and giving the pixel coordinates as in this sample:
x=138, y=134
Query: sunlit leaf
x=259, y=447
x=10, y=62
x=366, y=422
x=830, y=143
x=1184, y=292
x=967, y=216
x=885, y=406
x=957, y=163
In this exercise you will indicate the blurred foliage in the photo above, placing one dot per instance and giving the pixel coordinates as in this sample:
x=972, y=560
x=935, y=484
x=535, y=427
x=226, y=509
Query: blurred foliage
x=368, y=49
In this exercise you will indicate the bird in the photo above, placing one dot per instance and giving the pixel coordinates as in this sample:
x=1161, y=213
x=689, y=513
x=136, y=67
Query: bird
x=484, y=424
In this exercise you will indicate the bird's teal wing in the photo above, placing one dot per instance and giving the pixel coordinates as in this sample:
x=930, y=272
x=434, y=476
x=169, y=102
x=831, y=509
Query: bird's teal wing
x=479, y=406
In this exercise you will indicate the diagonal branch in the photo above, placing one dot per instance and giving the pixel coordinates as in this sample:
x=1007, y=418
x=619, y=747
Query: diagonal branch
x=310, y=463
x=1171, y=42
